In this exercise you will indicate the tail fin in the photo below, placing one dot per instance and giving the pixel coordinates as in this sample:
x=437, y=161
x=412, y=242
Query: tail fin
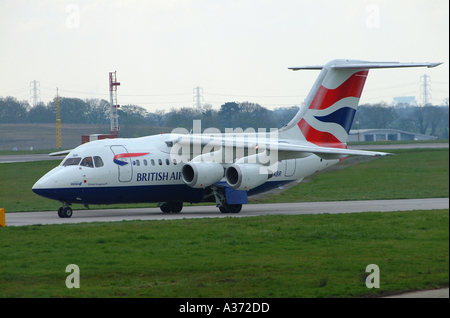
x=326, y=116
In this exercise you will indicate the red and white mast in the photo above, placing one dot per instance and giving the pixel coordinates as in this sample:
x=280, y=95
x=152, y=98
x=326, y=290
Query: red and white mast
x=114, y=117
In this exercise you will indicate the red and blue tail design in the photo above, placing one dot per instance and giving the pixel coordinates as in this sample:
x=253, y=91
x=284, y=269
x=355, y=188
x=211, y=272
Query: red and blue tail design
x=331, y=113
x=327, y=114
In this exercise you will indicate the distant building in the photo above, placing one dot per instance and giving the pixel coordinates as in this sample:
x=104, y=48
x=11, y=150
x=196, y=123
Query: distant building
x=385, y=134
x=404, y=100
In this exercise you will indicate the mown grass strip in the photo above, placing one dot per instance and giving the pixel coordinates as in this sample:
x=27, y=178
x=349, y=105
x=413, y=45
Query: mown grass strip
x=411, y=173
x=270, y=256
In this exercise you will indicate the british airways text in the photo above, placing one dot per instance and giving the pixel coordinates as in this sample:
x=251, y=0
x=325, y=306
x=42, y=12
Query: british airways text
x=158, y=176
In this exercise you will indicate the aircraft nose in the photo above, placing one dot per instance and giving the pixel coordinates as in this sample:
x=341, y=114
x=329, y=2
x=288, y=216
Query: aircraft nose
x=36, y=186
x=44, y=185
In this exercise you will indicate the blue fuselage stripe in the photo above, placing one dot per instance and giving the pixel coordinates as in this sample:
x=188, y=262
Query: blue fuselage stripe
x=136, y=194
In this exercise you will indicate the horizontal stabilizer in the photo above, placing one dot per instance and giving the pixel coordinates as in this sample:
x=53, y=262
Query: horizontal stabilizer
x=367, y=65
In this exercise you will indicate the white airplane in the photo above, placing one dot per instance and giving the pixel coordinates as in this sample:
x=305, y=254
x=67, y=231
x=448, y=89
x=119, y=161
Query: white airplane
x=171, y=169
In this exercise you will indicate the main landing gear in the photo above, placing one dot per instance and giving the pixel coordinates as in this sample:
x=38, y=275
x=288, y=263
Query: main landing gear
x=65, y=211
x=171, y=207
x=221, y=201
x=230, y=208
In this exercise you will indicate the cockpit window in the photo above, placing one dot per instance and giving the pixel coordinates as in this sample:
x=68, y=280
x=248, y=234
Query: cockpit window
x=98, y=162
x=87, y=162
x=71, y=162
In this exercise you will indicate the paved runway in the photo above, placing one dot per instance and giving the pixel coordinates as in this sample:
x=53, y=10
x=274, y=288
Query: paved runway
x=27, y=158
x=399, y=146
x=190, y=212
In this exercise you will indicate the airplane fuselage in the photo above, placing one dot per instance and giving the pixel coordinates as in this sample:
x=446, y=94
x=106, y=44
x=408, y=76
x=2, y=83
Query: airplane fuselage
x=141, y=170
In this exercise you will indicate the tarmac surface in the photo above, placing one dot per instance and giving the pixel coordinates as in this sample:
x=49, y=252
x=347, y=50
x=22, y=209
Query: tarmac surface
x=248, y=210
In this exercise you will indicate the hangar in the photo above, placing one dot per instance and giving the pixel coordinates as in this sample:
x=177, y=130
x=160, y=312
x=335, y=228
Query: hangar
x=385, y=134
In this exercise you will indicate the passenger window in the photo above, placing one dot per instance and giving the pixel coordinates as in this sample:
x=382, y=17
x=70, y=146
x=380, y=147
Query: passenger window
x=87, y=162
x=98, y=162
x=145, y=162
x=138, y=163
x=167, y=162
x=175, y=162
x=153, y=162
x=71, y=162
x=160, y=162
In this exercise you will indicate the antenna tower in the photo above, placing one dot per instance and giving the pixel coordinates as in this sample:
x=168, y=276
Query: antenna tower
x=114, y=117
x=426, y=87
x=198, y=98
x=58, y=122
x=35, y=99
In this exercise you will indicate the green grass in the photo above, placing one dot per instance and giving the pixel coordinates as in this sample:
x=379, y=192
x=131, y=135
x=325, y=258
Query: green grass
x=412, y=173
x=270, y=256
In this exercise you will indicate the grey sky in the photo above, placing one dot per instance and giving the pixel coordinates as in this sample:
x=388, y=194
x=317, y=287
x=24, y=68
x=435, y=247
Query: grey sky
x=234, y=50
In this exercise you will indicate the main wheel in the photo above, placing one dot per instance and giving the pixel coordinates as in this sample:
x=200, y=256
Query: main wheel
x=223, y=209
x=235, y=208
x=176, y=207
x=165, y=207
x=60, y=212
x=230, y=208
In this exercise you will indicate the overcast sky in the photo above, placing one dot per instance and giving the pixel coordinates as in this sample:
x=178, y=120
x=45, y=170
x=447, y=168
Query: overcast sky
x=234, y=50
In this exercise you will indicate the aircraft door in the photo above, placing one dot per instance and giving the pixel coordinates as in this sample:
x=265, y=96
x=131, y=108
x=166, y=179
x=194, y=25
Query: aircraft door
x=290, y=167
x=124, y=164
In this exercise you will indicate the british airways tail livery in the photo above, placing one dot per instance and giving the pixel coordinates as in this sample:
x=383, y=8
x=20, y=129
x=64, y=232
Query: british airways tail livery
x=226, y=169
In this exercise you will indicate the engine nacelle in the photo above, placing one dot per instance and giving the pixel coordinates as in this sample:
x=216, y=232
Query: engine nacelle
x=201, y=174
x=246, y=176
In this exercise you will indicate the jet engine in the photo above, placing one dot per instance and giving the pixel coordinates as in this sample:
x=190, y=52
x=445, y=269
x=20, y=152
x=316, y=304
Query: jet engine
x=201, y=174
x=246, y=176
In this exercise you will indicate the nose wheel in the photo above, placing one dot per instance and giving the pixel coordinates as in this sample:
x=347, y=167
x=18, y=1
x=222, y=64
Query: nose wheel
x=65, y=212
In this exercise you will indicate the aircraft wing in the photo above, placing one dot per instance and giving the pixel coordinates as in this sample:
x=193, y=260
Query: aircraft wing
x=285, y=150
x=318, y=150
x=60, y=153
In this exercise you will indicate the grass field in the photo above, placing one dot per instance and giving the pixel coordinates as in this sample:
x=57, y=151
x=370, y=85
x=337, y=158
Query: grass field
x=412, y=173
x=271, y=256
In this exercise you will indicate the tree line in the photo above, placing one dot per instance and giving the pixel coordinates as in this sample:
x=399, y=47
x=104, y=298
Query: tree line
x=431, y=120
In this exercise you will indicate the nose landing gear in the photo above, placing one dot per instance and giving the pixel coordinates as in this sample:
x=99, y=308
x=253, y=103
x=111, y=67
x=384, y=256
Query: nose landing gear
x=65, y=211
